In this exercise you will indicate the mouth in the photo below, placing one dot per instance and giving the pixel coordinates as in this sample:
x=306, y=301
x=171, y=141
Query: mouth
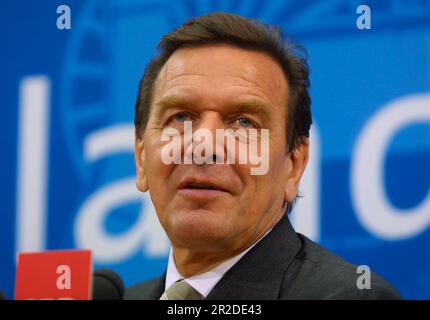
x=201, y=188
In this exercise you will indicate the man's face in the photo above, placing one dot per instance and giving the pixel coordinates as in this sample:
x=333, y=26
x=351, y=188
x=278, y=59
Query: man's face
x=217, y=207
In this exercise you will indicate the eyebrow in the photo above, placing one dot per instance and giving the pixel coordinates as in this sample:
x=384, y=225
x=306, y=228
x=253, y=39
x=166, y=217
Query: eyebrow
x=171, y=102
x=253, y=106
x=246, y=106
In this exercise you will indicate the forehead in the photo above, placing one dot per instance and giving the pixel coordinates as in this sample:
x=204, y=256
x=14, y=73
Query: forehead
x=222, y=73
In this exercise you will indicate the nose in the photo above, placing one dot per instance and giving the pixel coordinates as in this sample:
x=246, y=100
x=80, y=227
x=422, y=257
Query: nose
x=205, y=129
x=210, y=121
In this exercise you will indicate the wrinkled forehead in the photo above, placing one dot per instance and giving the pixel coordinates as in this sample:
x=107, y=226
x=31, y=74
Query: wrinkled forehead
x=225, y=69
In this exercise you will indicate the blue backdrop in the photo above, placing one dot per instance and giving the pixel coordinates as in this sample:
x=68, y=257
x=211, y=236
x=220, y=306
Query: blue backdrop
x=66, y=134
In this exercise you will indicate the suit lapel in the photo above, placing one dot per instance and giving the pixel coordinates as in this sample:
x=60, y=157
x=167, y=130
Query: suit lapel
x=157, y=288
x=259, y=274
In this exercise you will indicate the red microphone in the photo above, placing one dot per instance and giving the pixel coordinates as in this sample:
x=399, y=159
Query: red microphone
x=65, y=274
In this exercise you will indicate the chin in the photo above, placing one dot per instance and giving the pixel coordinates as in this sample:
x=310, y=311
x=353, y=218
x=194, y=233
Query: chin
x=197, y=228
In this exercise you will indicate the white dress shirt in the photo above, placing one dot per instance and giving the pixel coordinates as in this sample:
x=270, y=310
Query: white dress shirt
x=204, y=282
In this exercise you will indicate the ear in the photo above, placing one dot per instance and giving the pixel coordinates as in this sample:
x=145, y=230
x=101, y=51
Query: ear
x=296, y=164
x=139, y=158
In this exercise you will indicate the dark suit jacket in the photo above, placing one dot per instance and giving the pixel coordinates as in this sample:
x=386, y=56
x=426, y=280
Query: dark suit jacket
x=284, y=265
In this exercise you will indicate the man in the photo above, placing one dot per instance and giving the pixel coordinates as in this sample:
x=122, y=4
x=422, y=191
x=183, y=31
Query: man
x=229, y=229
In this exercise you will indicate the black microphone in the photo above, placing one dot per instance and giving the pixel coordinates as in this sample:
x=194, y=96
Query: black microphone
x=2, y=296
x=107, y=285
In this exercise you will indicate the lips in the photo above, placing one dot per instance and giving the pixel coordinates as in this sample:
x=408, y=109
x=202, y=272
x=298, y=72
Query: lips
x=201, y=184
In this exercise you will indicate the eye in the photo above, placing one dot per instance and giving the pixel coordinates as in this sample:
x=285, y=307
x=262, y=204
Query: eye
x=180, y=117
x=244, y=122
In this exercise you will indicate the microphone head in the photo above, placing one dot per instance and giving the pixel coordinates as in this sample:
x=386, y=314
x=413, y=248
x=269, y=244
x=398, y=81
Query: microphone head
x=107, y=285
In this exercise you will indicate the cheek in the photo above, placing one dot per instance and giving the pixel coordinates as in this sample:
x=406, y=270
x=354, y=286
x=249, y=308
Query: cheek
x=158, y=176
x=265, y=190
x=249, y=200
x=274, y=176
x=157, y=172
x=158, y=183
x=278, y=153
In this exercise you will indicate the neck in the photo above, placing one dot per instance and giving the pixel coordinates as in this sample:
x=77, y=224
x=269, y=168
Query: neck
x=190, y=262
